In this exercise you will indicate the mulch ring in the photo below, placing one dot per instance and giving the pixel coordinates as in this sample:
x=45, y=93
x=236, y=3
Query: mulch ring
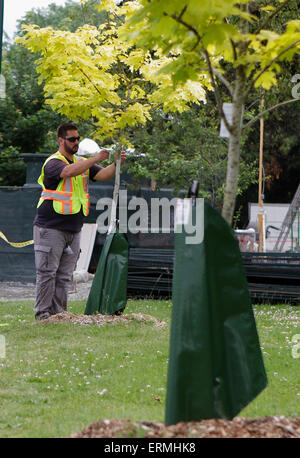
x=101, y=320
x=265, y=427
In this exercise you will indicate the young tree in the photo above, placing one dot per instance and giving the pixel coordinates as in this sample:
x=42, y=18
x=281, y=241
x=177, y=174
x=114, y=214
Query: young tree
x=234, y=44
x=93, y=74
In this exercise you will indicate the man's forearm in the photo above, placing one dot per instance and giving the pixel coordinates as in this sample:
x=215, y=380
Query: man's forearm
x=106, y=173
x=78, y=168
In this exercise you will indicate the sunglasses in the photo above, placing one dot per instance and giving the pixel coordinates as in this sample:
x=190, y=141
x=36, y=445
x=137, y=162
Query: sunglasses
x=72, y=139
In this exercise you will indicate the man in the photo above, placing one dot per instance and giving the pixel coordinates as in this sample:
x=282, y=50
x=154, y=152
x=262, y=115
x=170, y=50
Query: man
x=61, y=210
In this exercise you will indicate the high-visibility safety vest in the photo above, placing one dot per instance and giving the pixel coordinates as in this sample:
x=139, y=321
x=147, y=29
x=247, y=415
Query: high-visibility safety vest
x=72, y=193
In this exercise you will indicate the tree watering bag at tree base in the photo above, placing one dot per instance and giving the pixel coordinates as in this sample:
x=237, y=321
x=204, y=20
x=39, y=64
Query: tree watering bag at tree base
x=215, y=365
x=108, y=293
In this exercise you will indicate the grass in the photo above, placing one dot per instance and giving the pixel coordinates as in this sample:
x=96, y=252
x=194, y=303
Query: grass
x=58, y=378
x=277, y=325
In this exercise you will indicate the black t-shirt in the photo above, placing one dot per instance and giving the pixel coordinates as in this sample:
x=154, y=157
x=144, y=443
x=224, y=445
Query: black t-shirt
x=46, y=215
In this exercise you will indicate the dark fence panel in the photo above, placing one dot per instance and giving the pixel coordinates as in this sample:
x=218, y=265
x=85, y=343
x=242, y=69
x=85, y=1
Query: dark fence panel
x=271, y=276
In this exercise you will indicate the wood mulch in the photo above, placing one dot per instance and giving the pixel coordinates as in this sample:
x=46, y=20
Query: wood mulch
x=101, y=320
x=239, y=427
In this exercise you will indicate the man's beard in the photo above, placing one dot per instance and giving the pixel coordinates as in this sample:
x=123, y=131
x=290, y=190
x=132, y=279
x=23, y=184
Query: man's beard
x=71, y=150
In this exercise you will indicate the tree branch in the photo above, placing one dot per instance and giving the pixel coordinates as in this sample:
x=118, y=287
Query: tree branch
x=269, y=109
x=207, y=58
x=224, y=81
x=89, y=79
x=188, y=26
x=198, y=36
x=220, y=77
x=216, y=92
x=270, y=64
x=183, y=11
x=268, y=19
x=232, y=42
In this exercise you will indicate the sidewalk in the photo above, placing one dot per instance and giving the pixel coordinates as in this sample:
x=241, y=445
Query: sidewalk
x=19, y=291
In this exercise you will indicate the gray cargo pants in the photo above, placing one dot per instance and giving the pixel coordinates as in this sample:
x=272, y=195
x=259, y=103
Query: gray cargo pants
x=56, y=255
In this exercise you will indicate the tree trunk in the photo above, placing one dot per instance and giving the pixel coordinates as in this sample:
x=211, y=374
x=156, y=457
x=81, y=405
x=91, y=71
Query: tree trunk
x=234, y=147
x=233, y=162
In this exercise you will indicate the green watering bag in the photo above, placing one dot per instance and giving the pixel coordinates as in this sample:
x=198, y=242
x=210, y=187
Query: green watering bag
x=108, y=293
x=215, y=365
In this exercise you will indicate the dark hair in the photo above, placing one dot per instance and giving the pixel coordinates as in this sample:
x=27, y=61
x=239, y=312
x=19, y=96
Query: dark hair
x=63, y=129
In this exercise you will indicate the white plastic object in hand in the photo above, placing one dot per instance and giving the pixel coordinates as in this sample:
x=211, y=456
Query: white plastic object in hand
x=88, y=147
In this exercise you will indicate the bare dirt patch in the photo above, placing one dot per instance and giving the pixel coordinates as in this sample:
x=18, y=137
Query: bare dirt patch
x=239, y=427
x=101, y=320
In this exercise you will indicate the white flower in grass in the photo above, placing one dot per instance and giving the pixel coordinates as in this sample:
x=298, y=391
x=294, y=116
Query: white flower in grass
x=101, y=393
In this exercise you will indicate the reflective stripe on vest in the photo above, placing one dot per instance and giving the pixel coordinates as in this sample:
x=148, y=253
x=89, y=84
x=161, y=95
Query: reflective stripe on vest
x=71, y=194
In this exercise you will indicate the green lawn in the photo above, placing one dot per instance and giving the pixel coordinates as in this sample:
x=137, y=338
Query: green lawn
x=58, y=378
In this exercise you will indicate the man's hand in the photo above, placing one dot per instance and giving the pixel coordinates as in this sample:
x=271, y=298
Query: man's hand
x=109, y=172
x=102, y=155
x=123, y=156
